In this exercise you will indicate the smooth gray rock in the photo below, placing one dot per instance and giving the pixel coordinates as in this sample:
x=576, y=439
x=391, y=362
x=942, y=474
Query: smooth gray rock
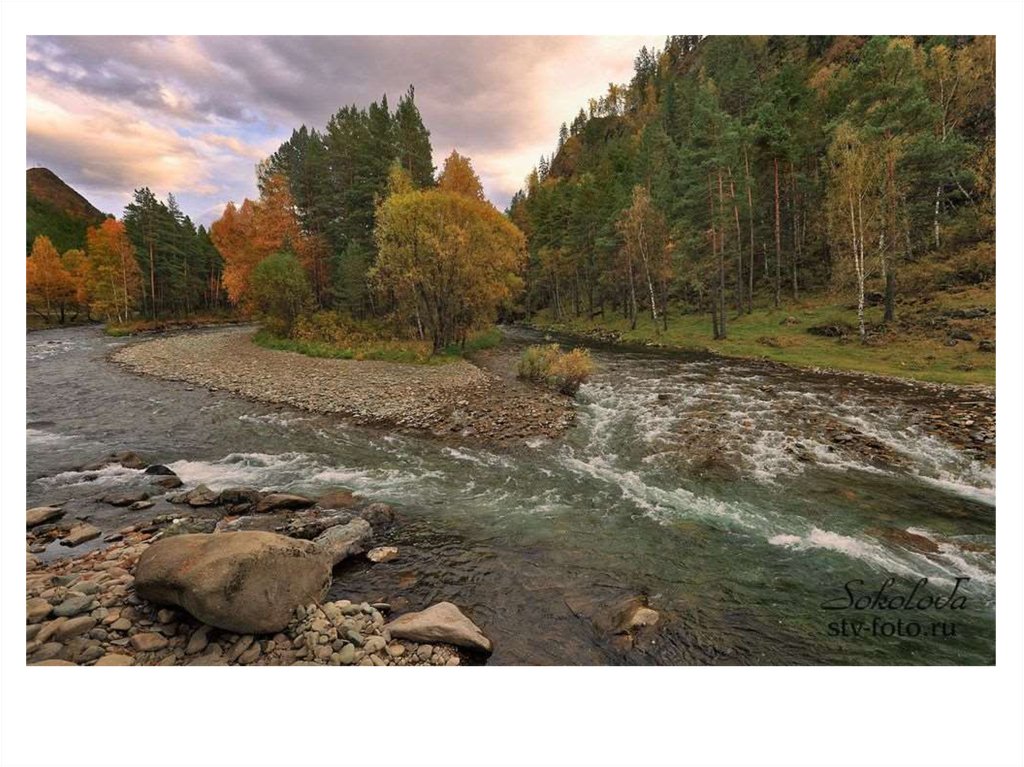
x=342, y=541
x=443, y=622
x=246, y=582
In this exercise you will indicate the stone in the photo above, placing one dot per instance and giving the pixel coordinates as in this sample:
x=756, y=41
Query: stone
x=54, y=662
x=47, y=651
x=238, y=496
x=374, y=644
x=42, y=514
x=121, y=624
x=342, y=541
x=83, y=624
x=80, y=533
x=141, y=505
x=74, y=605
x=168, y=483
x=382, y=554
x=125, y=499
x=424, y=651
x=201, y=496
x=443, y=622
x=246, y=582
x=158, y=469
x=986, y=345
x=37, y=609
x=115, y=659
x=337, y=499
x=126, y=459
x=250, y=655
x=165, y=616
x=960, y=334
x=241, y=644
x=198, y=641
x=379, y=515
x=49, y=630
x=148, y=642
x=396, y=650
x=347, y=655
x=279, y=501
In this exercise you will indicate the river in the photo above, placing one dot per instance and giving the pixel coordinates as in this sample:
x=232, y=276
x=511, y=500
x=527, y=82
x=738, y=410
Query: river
x=704, y=486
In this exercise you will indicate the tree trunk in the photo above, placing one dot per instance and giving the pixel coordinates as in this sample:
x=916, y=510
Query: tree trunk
x=750, y=218
x=721, y=264
x=778, y=241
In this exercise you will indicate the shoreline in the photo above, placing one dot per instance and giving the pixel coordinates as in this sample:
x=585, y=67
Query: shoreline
x=457, y=401
x=611, y=338
x=963, y=414
x=84, y=608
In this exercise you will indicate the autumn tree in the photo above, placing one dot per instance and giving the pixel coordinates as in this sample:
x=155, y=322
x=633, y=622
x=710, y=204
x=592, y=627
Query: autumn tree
x=448, y=259
x=114, y=277
x=458, y=177
x=50, y=288
x=77, y=265
x=644, y=237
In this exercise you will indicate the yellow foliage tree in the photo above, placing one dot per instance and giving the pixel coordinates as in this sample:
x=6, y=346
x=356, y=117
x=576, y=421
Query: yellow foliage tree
x=49, y=286
x=458, y=177
x=449, y=260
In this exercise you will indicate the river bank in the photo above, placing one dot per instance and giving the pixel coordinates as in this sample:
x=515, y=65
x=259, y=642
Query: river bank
x=457, y=401
x=963, y=415
x=85, y=609
x=948, y=338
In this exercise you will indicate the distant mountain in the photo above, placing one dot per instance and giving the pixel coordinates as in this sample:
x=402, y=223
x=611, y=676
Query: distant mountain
x=57, y=210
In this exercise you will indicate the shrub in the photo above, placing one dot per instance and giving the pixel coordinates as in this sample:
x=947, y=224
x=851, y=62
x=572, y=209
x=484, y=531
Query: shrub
x=280, y=291
x=564, y=371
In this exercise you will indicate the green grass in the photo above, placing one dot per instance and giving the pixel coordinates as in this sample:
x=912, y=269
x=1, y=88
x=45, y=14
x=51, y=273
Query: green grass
x=119, y=330
x=413, y=352
x=912, y=351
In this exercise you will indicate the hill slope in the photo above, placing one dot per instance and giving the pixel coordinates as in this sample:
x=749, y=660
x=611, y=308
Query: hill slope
x=57, y=210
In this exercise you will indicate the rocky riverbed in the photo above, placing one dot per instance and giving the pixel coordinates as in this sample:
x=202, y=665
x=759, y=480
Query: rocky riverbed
x=457, y=401
x=215, y=556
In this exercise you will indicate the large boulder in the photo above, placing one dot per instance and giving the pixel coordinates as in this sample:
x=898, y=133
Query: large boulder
x=443, y=622
x=246, y=582
x=342, y=541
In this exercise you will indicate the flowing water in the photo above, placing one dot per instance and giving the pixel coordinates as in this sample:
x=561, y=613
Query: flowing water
x=706, y=487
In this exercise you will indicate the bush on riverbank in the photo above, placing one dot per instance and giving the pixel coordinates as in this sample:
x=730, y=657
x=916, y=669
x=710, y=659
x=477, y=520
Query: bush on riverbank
x=339, y=336
x=564, y=371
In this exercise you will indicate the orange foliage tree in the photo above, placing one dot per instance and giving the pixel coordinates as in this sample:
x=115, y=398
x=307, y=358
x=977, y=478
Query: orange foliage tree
x=50, y=288
x=248, y=234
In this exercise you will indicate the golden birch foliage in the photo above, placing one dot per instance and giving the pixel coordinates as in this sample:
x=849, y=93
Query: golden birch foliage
x=458, y=177
x=447, y=259
x=114, y=282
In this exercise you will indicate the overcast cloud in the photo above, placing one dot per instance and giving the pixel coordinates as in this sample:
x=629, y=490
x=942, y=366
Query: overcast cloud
x=193, y=115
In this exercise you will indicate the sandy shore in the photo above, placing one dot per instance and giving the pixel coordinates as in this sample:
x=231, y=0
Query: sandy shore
x=456, y=400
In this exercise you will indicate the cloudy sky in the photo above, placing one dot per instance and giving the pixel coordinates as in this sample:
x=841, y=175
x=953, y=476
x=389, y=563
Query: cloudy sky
x=193, y=115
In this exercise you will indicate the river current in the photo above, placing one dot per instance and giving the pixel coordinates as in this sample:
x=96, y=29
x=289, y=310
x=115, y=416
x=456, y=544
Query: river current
x=706, y=487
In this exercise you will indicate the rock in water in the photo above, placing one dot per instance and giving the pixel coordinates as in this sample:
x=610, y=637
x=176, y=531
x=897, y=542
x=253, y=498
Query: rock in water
x=337, y=499
x=382, y=554
x=247, y=582
x=443, y=622
x=159, y=469
x=343, y=541
x=41, y=514
x=277, y=501
x=80, y=534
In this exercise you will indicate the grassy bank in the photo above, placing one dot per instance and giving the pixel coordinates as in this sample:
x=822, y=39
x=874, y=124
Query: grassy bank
x=119, y=329
x=411, y=351
x=914, y=347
